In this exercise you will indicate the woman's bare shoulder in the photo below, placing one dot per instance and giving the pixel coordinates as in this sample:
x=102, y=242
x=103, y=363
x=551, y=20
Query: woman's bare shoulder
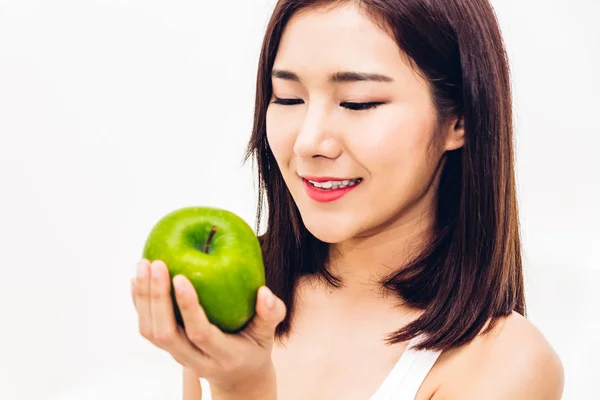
x=512, y=361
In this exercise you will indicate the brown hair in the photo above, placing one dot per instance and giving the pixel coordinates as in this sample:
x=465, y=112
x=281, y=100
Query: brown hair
x=470, y=273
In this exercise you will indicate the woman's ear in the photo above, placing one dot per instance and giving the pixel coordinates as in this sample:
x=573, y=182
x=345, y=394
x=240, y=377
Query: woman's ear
x=455, y=137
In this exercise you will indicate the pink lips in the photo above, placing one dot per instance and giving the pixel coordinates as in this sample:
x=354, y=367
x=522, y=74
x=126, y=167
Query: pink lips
x=325, y=195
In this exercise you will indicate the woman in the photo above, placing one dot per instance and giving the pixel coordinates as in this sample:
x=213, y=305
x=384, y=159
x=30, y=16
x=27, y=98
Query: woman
x=383, y=135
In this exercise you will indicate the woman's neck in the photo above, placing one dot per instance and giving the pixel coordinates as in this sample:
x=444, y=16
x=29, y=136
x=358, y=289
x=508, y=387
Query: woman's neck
x=363, y=261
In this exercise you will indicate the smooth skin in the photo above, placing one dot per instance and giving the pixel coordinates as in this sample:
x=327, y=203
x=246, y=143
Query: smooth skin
x=336, y=350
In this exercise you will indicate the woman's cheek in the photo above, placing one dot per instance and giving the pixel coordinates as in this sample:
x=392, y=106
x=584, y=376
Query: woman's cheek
x=383, y=145
x=280, y=135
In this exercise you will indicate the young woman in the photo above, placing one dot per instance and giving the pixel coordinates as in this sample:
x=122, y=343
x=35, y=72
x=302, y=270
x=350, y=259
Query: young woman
x=384, y=141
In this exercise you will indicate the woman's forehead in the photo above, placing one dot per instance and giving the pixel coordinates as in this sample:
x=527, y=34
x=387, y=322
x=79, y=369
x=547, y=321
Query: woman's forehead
x=343, y=34
x=317, y=45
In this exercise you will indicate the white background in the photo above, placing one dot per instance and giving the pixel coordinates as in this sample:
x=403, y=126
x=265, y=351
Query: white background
x=114, y=112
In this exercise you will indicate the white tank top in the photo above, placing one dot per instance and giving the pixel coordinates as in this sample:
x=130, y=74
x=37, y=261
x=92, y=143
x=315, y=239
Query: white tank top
x=403, y=381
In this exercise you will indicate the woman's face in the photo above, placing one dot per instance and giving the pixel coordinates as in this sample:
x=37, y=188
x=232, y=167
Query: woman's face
x=377, y=129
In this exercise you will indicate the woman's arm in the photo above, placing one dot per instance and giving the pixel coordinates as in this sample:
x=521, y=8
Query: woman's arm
x=191, y=386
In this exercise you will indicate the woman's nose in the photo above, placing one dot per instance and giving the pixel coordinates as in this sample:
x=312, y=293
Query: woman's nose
x=316, y=137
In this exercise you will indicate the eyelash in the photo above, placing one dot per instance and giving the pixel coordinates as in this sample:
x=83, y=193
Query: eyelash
x=358, y=106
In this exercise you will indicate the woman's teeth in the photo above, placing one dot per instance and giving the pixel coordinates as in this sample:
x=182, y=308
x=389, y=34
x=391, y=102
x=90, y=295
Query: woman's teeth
x=332, y=185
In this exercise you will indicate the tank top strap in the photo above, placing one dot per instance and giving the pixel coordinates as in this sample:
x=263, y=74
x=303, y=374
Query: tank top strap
x=406, y=377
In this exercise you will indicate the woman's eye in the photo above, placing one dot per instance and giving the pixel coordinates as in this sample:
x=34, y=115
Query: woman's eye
x=349, y=106
x=361, y=106
x=287, y=102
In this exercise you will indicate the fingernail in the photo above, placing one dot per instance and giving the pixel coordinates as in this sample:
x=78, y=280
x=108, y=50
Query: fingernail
x=270, y=300
x=141, y=270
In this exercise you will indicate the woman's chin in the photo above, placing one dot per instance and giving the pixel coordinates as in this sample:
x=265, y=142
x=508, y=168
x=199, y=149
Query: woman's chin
x=328, y=232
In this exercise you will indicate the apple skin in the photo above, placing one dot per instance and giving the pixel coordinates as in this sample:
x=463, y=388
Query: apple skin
x=227, y=278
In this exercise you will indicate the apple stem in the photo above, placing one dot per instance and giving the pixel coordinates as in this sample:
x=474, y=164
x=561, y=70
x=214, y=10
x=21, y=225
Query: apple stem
x=211, y=234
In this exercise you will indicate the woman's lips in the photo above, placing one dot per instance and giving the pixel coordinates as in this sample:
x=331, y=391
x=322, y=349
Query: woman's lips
x=326, y=195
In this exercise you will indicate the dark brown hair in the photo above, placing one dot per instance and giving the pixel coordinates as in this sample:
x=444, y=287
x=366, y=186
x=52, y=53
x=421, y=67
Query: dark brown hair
x=470, y=272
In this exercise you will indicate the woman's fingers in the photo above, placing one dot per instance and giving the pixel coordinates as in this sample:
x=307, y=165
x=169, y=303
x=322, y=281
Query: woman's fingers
x=204, y=335
x=270, y=311
x=197, y=346
x=142, y=299
x=161, y=308
x=165, y=332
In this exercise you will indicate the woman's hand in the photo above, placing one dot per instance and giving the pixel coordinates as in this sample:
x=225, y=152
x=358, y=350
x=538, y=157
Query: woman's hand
x=236, y=365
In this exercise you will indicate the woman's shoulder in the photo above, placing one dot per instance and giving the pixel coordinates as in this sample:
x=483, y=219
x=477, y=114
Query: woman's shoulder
x=513, y=361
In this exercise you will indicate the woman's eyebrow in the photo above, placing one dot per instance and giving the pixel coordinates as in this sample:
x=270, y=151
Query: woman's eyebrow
x=337, y=77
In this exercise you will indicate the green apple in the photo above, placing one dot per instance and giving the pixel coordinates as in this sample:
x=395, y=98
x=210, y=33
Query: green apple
x=220, y=255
